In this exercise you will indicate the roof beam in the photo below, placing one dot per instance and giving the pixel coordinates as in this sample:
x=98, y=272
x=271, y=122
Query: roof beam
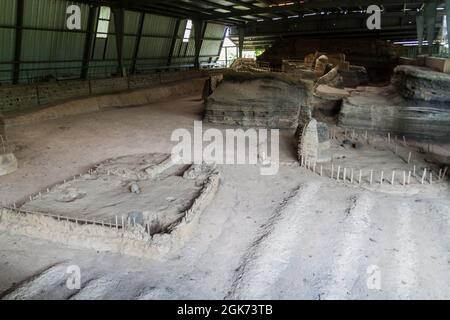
x=18, y=41
x=296, y=6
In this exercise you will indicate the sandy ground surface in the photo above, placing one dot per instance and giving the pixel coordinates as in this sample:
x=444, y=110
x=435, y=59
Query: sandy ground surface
x=291, y=235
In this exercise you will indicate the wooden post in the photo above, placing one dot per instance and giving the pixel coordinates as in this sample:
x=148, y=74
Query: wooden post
x=371, y=177
x=404, y=178
x=393, y=177
x=332, y=171
x=409, y=158
x=409, y=177
x=382, y=178
x=345, y=174
x=351, y=177
x=338, y=173
x=321, y=170
x=389, y=137
x=423, y=176
x=360, y=176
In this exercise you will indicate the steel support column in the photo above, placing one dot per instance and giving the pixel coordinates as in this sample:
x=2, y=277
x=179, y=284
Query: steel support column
x=199, y=26
x=241, y=40
x=174, y=41
x=430, y=12
x=18, y=42
x=89, y=41
x=119, y=24
x=138, y=43
x=420, y=29
x=447, y=8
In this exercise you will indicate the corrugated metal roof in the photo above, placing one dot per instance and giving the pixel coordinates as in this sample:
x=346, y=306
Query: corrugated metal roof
x=6, y=45
x=50, y=13
x=158, y=25
x=46, y=44
x=211, y=47
x=8, y=12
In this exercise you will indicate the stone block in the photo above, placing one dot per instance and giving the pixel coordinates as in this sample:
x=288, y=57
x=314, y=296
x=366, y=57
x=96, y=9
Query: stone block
x=314, y=143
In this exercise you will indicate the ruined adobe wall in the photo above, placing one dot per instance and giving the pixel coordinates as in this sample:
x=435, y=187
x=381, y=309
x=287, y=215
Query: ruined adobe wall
x=69, y=98
x=416, y=105
x=377, y=56
x=257, y=100
x=21, y=98
x=132, y=240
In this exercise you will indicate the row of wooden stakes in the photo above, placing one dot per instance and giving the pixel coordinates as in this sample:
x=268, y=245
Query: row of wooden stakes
x=340, y=173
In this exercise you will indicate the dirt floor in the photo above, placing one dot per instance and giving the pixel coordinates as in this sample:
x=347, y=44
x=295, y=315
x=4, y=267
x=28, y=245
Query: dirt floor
x=291, y=235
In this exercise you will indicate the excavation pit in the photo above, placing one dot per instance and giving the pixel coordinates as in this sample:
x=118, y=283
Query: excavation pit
x=148, y=190
x=381, y=163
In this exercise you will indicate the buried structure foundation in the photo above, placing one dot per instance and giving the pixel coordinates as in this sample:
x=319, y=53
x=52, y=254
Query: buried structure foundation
x=141, y=205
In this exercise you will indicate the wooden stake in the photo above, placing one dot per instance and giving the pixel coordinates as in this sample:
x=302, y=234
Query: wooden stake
x=338, y=173
x=409, y=177
x=345, y=174
x=414, y=172
x=423, y=176
x=382, y=178
x=371, y=177
x=431, y=177
x=409, y=158
x=321, y=170
x=360, y=176
x=404, y=178
x=351, y=177
x=393, y=177
x=332, y=171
